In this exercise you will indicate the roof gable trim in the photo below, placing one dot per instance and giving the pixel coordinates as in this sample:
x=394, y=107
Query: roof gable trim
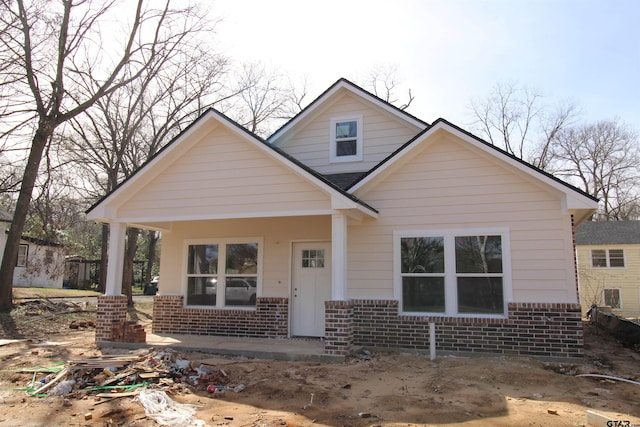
x=575, y=198
x=344, y=84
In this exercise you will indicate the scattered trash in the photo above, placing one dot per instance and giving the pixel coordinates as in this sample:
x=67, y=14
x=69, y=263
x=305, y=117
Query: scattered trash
x=310, y=402
x=609, y=377
x=162, y=409
x=64, y=388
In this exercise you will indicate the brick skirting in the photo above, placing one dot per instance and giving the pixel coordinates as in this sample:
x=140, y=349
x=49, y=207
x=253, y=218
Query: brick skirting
x=270, y=319
x=112, y=324
x=541, y=330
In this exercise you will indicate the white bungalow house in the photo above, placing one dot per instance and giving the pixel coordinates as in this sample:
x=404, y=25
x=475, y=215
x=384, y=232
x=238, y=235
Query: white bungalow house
x=356, y=223
x=40, y=262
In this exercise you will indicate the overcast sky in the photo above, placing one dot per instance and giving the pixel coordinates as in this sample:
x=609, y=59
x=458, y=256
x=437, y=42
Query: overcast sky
x=450, y=51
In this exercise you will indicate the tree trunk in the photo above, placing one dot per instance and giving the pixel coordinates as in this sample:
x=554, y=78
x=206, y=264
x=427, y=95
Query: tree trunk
x=104, y=257
x=127, y=274
x=151, y=255
x=20, y=215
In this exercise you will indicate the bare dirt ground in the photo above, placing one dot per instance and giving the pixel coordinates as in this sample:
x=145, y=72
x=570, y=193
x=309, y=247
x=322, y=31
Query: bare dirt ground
x=380, y=389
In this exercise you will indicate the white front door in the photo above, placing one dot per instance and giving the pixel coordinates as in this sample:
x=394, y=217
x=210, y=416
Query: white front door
x=310, y=287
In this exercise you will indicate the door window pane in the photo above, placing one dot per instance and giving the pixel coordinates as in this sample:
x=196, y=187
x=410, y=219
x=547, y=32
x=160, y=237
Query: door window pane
x=313, y=258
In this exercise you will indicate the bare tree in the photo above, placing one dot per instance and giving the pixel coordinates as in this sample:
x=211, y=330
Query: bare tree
x=383, y=82
x=128, y=126
x=604, y=160
x=58, y=64
x=265, y=98
x=514, y=118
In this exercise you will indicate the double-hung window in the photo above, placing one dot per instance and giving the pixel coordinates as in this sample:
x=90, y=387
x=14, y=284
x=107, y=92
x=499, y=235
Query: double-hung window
x=23, y=254
x=346, y=139
x=612, y=298
x=607, y=258
x=452, y=273
x=223, y=273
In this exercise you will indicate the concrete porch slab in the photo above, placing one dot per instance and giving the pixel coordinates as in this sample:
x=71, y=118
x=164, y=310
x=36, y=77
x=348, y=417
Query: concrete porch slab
x=258, y=348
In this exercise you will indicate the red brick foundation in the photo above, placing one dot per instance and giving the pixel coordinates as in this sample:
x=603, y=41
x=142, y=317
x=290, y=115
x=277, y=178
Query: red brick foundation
x=338, y=327
x=270, y=319
x=541, y=330
x=112, y=324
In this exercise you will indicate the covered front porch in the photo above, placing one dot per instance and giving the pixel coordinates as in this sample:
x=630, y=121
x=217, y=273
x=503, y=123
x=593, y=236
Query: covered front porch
x=281, y=308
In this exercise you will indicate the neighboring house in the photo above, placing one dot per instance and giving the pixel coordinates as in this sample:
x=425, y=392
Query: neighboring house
x=40, y=263
x=609, y=266
x=356, y=223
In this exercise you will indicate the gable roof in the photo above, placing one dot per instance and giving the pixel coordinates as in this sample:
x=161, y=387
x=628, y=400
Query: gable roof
x=344, y=85
x=575, y=197
x=311, y=175
x=608, y=233
x=41, y=242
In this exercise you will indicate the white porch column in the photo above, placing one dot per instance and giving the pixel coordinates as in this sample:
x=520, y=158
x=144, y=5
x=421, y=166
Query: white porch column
x=338, y=257
x=117, y=231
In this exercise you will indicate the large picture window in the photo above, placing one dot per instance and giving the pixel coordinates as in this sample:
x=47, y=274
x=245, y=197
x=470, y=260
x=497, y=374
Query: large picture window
x=223, y=273
x=451, y=273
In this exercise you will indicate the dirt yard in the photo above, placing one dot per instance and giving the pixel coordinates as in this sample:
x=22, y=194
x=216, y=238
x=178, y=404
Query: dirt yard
x=367, y=390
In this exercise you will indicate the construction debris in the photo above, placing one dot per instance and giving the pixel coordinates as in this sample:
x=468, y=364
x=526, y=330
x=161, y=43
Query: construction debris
x=115, y=376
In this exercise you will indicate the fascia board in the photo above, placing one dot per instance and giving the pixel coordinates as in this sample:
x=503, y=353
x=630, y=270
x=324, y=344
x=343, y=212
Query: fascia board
x=572, y=200
x=107, y=208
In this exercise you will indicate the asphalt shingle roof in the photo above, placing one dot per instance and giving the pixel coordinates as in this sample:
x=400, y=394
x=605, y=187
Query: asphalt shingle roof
x=608, y=233
x=344, y=180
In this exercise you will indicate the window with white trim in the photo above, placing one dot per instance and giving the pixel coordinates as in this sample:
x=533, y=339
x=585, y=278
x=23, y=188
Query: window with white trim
x=23, y=255
x=346, y=139
x=607, y=258
x=223, y=273
x=612, y=297
x=452, y=273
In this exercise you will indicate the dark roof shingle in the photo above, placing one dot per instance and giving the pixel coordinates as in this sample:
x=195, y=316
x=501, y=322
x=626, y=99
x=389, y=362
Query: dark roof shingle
x=608, y=233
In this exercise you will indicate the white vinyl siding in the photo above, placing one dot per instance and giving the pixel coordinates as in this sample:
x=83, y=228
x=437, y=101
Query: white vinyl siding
x=383, y=134
x=224, y=175
x=449, y=185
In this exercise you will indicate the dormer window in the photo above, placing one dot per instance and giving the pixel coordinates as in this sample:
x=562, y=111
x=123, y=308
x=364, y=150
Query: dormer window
x=346, y=139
